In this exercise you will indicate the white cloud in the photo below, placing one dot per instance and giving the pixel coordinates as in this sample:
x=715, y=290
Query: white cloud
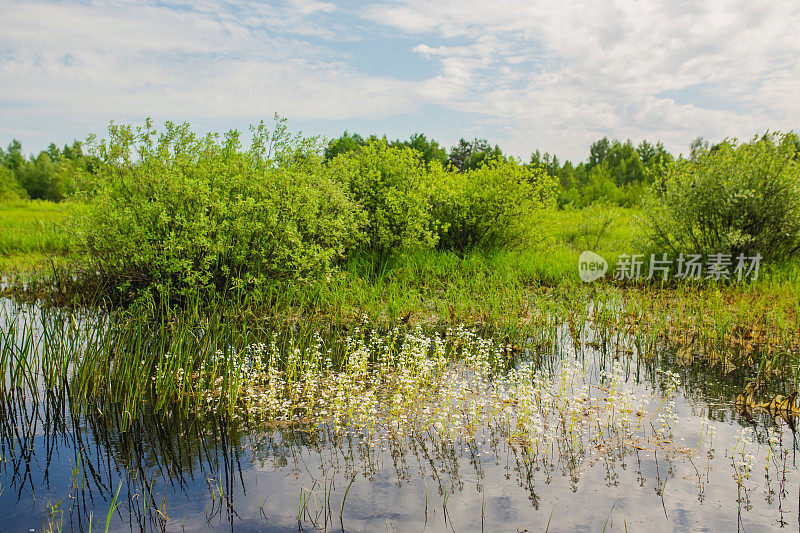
x=552, y=75
x=83, y=65
x=606, y=63
x=307, y=7
x=411, y=19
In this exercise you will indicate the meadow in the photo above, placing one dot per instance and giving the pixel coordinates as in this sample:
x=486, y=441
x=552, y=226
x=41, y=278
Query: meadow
x=31, y=232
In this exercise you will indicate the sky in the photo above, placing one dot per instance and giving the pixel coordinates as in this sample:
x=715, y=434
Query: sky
x=525, y=74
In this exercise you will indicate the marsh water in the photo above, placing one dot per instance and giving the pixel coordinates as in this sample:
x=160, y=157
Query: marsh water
x=691, y=462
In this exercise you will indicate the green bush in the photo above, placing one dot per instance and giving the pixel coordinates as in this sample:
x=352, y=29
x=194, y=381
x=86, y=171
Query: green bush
x=632, y=194
x=393, y=186
x=734, y=198
x=43, y=180
x=10, y=189
x=180, y=213
x=600, y=187
x=498, y=204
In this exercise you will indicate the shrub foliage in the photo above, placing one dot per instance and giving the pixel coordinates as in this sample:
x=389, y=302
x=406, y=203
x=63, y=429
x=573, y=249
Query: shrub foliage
x=176, y=212
x=734, y=198
x=499, y=204
x=180, y=212
x=10, y=189
x=394, y=188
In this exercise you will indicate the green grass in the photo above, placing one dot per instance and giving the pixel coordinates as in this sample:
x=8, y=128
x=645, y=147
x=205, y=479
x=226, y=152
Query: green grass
x=603, y=229
x=509, y=291
x=30, y=231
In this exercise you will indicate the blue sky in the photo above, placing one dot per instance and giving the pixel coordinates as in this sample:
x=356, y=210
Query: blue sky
x=547, y=75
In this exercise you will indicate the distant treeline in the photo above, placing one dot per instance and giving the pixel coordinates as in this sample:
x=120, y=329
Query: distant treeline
x=52, y=175
x=615, y=172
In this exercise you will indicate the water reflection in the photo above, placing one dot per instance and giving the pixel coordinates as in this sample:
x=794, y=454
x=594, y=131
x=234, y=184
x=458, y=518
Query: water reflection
x=682, y=460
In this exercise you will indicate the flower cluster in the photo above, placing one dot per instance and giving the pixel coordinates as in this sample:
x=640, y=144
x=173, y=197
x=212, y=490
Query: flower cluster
x=452, y=387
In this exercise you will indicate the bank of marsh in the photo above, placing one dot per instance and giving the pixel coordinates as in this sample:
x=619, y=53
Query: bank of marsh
x=372, y=339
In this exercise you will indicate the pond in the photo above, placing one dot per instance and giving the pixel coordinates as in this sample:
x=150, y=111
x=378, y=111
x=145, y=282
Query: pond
x=397, y=430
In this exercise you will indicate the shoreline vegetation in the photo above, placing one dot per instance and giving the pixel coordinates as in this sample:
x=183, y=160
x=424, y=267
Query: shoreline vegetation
x=187, y=292
x=167, y=232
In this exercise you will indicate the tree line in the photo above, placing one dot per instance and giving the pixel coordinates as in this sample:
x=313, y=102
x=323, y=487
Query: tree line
x=615, y=171
x=52, y=175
